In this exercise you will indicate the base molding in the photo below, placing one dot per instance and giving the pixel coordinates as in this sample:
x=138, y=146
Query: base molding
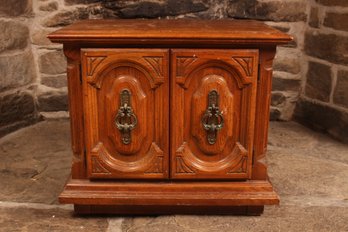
x=125, y=197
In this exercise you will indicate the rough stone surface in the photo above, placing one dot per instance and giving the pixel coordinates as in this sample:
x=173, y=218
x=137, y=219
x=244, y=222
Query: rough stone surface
x=314, y=18
x=64, y=18
x=54, y=81
x=277, y=99
x=330, y=47
x=287, y=63
x=282, y=84
x=16, y=70
x=51, y=6
x=35, y=162
x=71, y=2
x=39, y=36
x=283, y=218
x=16, y=107
x=293, y=139
x=14, y=35
x=291, y=11
x=337, y=21
x=53, y=101
x=154, y=9
x=43, y=220
x=318, y=84
x=333, y=2
x=340, y=96
x=323, y=118
x=274, y=114
x=306, y=168
x=53, y=62
x=15, y=7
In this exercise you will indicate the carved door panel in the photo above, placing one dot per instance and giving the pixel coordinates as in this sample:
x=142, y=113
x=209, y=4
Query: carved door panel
x=212, y=112
x=126, y=100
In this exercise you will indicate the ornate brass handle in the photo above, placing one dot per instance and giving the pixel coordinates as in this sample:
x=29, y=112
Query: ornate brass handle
x=125, y=119
x=212, y=119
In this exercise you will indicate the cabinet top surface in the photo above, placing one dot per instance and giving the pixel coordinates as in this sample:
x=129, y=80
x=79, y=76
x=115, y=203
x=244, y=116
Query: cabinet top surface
x=169, y=30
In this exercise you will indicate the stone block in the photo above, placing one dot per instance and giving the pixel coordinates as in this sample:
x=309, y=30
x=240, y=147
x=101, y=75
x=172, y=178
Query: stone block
x=314, y=17
x=52, y=63
x=282, y=84
x=14, y=35
x=15, y=7
x=64, y=18
x=16, y=70
x=53, y=101
x=330, y=47
x=336, y=21
x=290, y=11
x=333, y=2
x=274, y=114
x=54, y=81
x=277, y=99
x=287, y=63
x=39, y=36
x=51, y=6
x=318, y=84
x=16, y=107
x=340, y=96
x=323, y=118
x=72, y=2
x=154, y=9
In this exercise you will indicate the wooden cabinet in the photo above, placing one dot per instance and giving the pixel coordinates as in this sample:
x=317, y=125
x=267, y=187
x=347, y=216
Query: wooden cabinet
x=169, y=116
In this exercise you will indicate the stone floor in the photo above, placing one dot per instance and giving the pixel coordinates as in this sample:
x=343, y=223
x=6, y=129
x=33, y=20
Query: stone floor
x=309, y=171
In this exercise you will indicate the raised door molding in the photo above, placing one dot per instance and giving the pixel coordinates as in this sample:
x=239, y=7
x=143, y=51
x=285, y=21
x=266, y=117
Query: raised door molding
x=232, y=74
x=113, y=152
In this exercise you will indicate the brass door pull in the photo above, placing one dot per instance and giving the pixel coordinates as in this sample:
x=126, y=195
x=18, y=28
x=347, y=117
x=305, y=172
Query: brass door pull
x=212, y=119
x=125, y=119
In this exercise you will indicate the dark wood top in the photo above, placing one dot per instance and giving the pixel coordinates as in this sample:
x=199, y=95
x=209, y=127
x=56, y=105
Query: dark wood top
x=164, y=31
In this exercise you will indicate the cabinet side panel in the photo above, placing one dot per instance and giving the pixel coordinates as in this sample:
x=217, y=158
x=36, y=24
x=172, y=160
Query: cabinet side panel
x=259, y=171
x=76, y=111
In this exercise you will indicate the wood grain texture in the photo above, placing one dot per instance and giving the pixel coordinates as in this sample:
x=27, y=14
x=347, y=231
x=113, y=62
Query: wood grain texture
x=175, y=31
x=78, y=169
x=105, y=74
x=259, y=171
x=85, y=192
x=233, y=74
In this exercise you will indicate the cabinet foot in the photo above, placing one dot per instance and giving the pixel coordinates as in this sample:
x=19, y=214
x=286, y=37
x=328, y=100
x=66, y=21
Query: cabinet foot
x=131, y=210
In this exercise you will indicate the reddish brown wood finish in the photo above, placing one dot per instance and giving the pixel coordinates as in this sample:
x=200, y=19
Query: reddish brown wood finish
x=169, y=83
x=106, y=72
x=169, y=193
x=182, y=31
x=78, y=169
x=233, y=74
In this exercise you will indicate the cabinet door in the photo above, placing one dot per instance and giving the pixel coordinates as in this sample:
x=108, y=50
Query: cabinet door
x=126, y=112
x=212, y=113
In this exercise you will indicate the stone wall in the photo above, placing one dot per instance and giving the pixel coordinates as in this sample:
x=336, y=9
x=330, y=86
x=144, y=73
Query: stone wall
x=32, y=73
x=323, y=103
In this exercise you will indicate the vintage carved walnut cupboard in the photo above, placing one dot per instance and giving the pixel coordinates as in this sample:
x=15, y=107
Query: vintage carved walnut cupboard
x=169, y=116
